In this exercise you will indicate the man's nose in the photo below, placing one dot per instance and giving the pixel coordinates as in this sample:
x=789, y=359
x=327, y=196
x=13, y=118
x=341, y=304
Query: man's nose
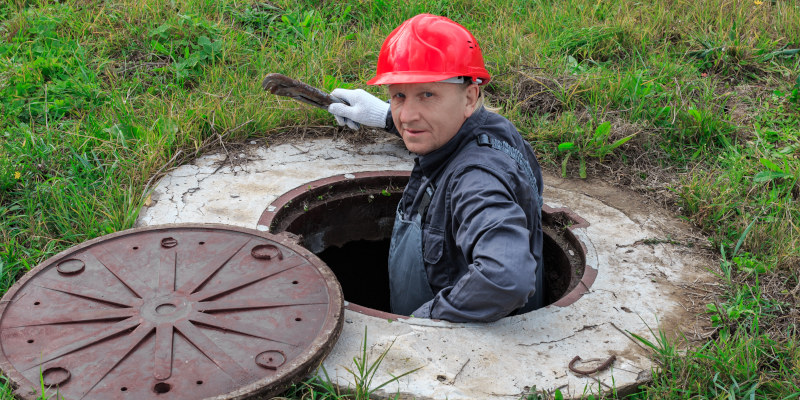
x=409, y=112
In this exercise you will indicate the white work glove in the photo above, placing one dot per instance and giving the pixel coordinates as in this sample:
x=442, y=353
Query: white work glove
x=364, y=109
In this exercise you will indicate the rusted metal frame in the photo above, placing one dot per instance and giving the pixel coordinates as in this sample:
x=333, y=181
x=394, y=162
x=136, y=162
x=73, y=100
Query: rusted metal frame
x=602, y=367
x=274, y=217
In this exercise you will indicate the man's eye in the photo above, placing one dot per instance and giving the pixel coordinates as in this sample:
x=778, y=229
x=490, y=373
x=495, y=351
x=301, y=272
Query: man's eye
x=398, y=96
x=428, y=94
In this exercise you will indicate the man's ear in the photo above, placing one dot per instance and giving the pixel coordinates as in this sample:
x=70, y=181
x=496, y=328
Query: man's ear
x=472, y=93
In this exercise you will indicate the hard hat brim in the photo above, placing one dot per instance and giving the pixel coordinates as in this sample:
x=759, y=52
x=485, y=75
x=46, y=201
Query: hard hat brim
x=389, y=78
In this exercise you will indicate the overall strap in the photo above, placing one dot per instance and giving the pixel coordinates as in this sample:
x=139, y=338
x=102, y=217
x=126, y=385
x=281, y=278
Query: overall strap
x=426, y=200
x=522, y=162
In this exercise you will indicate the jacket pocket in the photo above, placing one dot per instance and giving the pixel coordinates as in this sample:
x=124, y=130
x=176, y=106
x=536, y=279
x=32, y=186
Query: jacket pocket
x=432, y=245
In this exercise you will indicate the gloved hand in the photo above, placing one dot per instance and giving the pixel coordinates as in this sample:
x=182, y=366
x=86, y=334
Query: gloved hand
x=364, y=109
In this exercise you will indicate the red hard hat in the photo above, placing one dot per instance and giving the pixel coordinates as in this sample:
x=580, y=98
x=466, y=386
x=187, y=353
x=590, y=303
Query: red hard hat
x=429, y=48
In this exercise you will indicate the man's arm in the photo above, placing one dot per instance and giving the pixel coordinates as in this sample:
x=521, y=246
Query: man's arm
x=491, y=233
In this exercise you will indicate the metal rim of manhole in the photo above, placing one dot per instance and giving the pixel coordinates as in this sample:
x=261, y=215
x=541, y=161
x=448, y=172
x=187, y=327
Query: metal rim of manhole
x=320, y=213
x=181, y=311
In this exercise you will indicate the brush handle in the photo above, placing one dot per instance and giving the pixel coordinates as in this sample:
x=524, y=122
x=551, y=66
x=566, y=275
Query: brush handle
x=282, y=85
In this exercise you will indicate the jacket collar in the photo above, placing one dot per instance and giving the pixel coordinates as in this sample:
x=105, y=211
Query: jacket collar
x=432, y=162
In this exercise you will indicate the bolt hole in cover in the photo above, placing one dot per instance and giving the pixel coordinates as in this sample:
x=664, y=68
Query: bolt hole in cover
x=347, y=221
x=184, y=314
x=162, y=387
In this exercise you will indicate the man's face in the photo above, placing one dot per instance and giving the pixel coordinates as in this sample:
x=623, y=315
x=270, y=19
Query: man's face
x=428, y=115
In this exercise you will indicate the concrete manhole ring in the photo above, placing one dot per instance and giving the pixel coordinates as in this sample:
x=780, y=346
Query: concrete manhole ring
x=646, y=276
x=175, y=311
x=347, y=221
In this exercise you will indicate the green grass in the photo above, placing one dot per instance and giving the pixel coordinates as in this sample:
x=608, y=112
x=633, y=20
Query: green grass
x=363, y=372
x=98, y=96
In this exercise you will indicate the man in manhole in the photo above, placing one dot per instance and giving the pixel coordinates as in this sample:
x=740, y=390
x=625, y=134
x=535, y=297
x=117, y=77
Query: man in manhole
x=467, y=238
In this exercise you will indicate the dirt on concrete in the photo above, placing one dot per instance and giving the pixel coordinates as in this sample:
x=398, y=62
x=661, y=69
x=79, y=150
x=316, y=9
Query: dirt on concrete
x=698, y=287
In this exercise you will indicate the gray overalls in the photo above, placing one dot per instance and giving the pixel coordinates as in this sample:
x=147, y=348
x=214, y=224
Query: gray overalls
x=408, y=279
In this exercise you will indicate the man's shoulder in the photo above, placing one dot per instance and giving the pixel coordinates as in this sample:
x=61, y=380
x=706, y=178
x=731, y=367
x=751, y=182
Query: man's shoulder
x=476, y=161
x=497, y=122
x=478, y=151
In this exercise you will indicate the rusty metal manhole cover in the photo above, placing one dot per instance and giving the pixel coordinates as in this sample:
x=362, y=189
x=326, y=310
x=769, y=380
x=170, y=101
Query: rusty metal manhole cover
x=170, y=312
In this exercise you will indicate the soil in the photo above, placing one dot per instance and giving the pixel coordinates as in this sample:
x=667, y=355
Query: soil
x=138, y=61
x=781, y=288
x=534, y=94
x=299, y=133
x=537, y=95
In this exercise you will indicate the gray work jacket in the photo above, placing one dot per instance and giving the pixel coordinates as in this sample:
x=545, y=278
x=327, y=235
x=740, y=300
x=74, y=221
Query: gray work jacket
x=482, y=233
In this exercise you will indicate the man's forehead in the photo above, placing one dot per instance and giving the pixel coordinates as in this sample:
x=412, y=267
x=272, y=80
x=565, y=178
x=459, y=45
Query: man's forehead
x=411, y=87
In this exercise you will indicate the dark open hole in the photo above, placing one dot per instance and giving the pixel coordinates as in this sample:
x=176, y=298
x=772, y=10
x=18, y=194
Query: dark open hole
x=162, y=387
x=348, y=224
x=365, y=282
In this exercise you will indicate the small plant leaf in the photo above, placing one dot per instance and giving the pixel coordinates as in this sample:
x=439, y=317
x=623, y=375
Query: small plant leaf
x=603, y=130
x=618, y=143
x=158, y=47
x=566, y=146
x=766, y=176
x=695, y=114
x=743, y=236
x=783, y=53
x=771, y=165
x=330, y=82
x=644, y=341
